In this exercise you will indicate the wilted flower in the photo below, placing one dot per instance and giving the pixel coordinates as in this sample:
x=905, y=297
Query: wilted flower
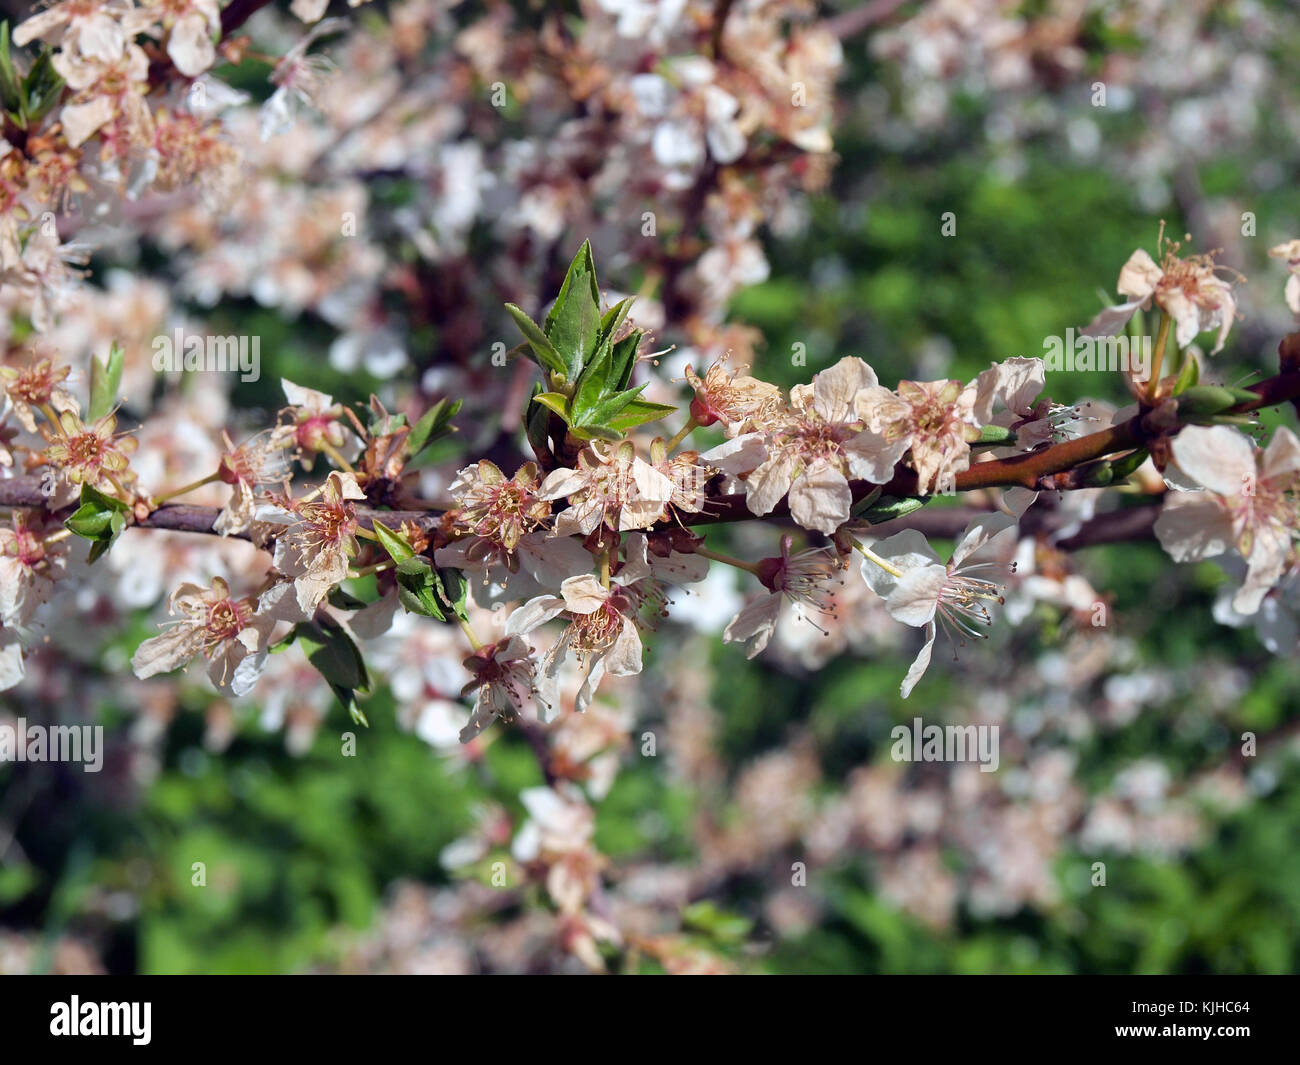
x=251, y=465
x=612, y=486
x=230, y=633
x=39, y=385
x=936, y=420
x=503, y=678
x=1188, y=290
x=1249, y=503
x=813, y=451
x=28, y=567
x=320, y=539
x=90, y=454
x=738, y=401
x=802, y=580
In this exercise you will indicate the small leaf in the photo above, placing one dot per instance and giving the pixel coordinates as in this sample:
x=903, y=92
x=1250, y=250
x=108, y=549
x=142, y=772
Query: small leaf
x=593, y=385
x=574, y=323
x=624, y=358
x=1189, y=375
x=455, y=591
x=547, y=357
x=99, y=518
x=887, y=508
x=331, y=650
x=42, y=88
x=435, y=424
x=105, y=377
x=11, y=94
x=396, y=546
x=536, y=424
x=610, y=406
x=418, y=590
x=554, y=401
x=638, y=412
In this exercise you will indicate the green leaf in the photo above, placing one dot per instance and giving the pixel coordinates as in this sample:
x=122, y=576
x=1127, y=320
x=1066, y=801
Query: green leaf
x=594, y=432
x=537, y=424
x=887, y=508
x=554, y=401
x=1189, y=375
x=624, y=358
x=435, y=424
x=331, y=650
x=455, y=591
x=349, y=700
x=42, y=88
x=396, y=546
x=574, y=323
x=105, y=377
x=547, y=357
x=638, y=412
x=607, y=408
x=99, y=519
x=417, y=588
x=11, y=94
x=592, y=385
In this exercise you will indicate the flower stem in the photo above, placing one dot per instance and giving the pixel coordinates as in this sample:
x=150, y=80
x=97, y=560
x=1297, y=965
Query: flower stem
x=727, y=560
x=866, y=552
x=685, y=431
x=53, y=417
x=159, y=500
x=474, y=641
x=1162, y=337
x=604, y=567
x=376, y=567
x=337, y=456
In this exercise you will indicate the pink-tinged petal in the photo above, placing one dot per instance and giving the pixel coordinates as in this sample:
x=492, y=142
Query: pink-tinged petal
x=587, y=692
x=169, y=651
x=651, y=485
x=1282, y=456
x=754, y=624
x=307, y=398
x=561, y=483
x=872, y=458
x=1018, y=500
x=190, y=45
x=993, y=530
x=1110, y=321
x=878, y=406
x=738, y=455
x=11, y=665
x=533, y=613
x=1193, y=526
x=820, y=498
x=920, y=664
x=1139, y=276
x=769, y=483
x=915, y=596
x=584, y=594
x=835, y=389
x=624, y=657
x=81, y=121
x=1218, y=457
x=549, y=560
